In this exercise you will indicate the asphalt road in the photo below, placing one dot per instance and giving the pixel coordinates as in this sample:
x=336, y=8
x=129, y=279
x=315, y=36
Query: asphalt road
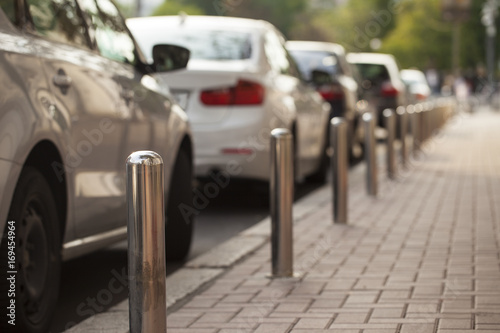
x=87, y=281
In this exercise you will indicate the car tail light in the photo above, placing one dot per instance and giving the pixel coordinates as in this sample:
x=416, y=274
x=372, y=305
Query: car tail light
x=216, y=97
x=331, y=92
x=244, y=93
x=388, y=90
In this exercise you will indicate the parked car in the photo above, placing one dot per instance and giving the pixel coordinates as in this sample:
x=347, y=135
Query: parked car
x=381, y=82
x=77, y=99
x=417, y=86
x=240, y=83
x=341, y=90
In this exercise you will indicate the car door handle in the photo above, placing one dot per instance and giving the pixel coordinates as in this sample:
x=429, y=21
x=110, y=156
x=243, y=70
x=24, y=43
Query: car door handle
x=62, y=80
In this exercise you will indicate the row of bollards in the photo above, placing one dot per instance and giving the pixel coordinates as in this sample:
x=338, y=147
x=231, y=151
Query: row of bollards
x=424, y=120
x=146, y=213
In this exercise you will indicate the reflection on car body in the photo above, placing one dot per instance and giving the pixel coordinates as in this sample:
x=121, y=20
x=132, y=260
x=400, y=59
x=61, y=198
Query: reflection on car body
x=77, y=99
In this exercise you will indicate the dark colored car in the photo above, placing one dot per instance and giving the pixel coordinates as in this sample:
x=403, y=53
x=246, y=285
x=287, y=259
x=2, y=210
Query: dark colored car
x=340, y=90
x=381, y=82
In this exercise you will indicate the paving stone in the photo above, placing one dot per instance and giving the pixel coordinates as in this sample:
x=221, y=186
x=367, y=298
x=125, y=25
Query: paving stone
x=345, y=318
x=308, y=323
x=176, y=321
x=292, y=307
x=487, y=318
x=273, y=328
x=387, y=313
x=455, y=323
x=216, y=317
x=417, y=328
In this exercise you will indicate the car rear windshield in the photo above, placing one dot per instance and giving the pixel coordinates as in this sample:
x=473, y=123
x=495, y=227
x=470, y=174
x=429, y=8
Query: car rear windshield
x=307, y=61
x=204, y=44
x=374, y=72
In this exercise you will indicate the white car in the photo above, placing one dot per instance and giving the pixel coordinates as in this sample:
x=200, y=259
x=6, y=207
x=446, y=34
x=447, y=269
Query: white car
x=240, y=83
x=418, y=88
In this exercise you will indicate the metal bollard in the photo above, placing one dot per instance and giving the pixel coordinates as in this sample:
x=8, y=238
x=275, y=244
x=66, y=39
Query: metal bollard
x=146, y=243
x=370, y=153
x=426, y=122
x=410, y=111
x=390, y=126
x=403, y=129
x=416, y=128
x=281, y=194
x=340, y=165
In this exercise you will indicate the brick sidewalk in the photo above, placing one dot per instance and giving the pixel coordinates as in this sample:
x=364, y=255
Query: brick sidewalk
x=422, y=257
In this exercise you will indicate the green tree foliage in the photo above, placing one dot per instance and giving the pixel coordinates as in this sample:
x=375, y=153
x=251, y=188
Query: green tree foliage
x=421, y=37
x=419, y=44
x=281, y=13
x=353, y=24
x=413, y=30
x=170, y=7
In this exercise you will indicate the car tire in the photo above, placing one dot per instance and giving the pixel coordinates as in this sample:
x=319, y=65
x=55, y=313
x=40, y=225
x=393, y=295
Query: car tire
x=179, y=223
x=37, y=255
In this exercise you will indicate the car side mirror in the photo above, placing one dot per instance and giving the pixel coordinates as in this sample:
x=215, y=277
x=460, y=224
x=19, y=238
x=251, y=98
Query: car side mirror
x=319, y=78
x=170, y=57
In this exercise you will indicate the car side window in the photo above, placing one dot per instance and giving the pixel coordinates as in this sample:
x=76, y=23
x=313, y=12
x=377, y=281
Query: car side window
x=58, y=20
x=109, y=32
x=278, y=57
x=345, y=66
x=276, y=54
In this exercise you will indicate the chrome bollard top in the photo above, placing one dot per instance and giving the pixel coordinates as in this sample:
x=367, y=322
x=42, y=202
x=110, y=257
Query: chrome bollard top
x=144, y=157
x=336, y=121
x=388, y=113
x=401, y=110
x=281, y=133
x=367, y=116
x=419, y=108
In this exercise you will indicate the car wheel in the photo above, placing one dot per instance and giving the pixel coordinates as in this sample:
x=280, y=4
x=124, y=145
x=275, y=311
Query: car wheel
x=179, y=226
x=35, y=238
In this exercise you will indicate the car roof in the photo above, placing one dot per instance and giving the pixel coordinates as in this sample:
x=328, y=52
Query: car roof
x=371, y=58
x=301, y=45
x=195, y=21
x=383, y=59
x=412, y=72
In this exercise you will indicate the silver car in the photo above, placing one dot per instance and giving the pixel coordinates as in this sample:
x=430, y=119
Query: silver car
x=76, y=100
